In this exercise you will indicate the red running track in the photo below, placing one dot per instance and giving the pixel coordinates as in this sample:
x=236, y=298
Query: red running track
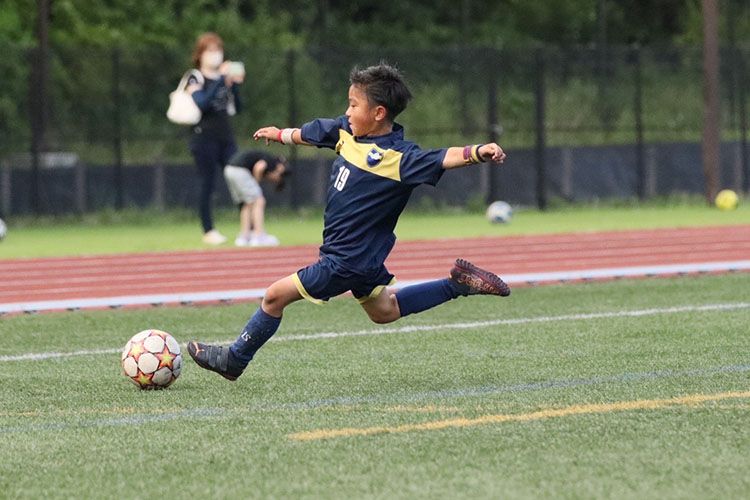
x=62, y=283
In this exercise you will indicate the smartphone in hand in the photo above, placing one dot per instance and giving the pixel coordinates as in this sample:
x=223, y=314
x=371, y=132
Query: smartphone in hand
x=236, y=69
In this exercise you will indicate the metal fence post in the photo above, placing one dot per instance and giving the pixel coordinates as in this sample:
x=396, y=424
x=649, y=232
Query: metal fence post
x=711, y=138
x=742, y=103
x=463, y=100
x=79, y=176
x=117, y=132
x=640, y=163
x=541, y=180
x=159, y=187
x=492, y=122
x=5, y=190
x=37, y=122
x=38, y=97
x=291, y=62
x=566, y=177
x=650, y=168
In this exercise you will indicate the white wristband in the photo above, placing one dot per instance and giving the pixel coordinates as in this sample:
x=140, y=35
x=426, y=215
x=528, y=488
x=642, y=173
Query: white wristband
x=286, y=135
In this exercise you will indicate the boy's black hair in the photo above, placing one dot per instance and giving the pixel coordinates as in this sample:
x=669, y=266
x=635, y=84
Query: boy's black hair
x=271, y=166
x=384, y=86
x=272, y=163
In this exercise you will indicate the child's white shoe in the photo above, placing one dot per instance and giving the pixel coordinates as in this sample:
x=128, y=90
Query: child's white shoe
x=264, y=240
x=241, y=241
x=214, y=237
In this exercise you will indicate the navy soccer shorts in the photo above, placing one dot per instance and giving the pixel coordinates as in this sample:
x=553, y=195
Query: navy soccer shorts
x=324, y=279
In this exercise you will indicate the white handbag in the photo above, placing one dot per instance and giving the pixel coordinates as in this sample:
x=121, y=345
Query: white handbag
x=182, y=108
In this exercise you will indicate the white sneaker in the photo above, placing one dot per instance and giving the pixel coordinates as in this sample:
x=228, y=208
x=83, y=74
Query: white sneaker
x=241, y=241
x=214, y=237
x=264, y=240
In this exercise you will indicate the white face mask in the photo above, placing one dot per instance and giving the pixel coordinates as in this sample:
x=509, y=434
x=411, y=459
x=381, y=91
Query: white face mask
x=212, y=58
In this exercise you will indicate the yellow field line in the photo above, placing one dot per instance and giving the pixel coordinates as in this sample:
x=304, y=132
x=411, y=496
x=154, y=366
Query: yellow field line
x=590, y=409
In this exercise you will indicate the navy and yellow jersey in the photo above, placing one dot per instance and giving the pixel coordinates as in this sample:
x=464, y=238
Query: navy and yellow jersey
x=371, y=181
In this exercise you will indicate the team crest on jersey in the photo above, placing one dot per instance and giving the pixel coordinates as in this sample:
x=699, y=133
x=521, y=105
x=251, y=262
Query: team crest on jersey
x=374, y=157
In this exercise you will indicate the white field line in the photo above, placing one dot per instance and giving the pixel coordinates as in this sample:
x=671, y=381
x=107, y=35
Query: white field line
x=257, y=293
x=429, y=328
x=132, y=300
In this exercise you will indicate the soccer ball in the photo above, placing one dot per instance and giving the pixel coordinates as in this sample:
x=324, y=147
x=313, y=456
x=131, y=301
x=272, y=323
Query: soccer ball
x=499, y=212
x=151, y=359
x=3, y=230
x=726, y=200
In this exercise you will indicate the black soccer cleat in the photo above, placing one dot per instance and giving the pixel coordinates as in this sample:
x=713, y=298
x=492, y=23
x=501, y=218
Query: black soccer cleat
x=216, y=358
x=475, y=281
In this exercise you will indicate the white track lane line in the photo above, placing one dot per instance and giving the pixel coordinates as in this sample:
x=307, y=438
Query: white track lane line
x=257, y=293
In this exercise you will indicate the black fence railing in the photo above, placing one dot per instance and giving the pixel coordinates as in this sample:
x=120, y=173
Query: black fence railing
x=105, y=109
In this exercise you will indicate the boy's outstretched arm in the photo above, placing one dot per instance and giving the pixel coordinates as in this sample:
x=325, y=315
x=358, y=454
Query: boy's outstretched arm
x=284, y=136
x=463, y=156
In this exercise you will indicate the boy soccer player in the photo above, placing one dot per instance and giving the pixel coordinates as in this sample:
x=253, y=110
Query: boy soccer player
x=243, y=174
x=371, y=181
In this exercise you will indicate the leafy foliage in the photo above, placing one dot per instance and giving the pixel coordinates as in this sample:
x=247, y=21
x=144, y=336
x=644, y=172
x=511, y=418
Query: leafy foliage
x=175, y=23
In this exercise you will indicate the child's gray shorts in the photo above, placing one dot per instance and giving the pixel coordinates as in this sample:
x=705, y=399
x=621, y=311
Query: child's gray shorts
x=242, y=185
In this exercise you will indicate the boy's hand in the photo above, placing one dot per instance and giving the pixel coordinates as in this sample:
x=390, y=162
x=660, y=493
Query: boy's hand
x=268, y=133
x=491, y=152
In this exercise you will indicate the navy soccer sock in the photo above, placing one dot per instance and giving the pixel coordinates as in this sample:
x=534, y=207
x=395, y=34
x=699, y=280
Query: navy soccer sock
x=418, y=298
x=258, y=330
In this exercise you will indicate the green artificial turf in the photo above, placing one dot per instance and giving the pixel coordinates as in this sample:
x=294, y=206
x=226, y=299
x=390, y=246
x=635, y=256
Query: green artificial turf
x=72, y=426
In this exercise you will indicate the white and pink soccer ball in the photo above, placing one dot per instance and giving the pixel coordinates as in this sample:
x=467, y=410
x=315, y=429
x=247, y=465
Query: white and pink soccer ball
x=152, y=359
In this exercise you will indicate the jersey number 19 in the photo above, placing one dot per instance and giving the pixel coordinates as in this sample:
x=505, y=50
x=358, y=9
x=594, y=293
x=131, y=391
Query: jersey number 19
x=341, y=178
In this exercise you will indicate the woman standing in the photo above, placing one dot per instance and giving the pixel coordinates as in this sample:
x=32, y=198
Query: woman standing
x=211, y=140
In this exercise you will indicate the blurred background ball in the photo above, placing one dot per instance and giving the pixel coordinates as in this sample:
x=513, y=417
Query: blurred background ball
x=499, y=212
x=726, y=200
x=3, y=230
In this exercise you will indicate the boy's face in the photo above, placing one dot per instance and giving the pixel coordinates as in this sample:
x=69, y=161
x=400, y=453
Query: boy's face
x=365, y=118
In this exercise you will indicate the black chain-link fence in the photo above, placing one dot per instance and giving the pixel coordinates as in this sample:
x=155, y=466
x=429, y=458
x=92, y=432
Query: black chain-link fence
x=577, y=123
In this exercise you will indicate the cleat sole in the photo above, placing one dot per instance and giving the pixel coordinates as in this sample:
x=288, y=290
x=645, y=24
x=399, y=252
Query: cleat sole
x=484, y=282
